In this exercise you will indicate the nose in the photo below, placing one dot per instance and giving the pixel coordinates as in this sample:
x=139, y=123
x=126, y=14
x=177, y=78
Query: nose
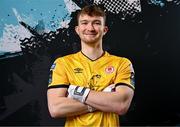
x=90, y=27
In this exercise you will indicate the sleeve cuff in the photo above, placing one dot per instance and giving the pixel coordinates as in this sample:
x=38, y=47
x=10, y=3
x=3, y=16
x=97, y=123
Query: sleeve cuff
x=58, y=86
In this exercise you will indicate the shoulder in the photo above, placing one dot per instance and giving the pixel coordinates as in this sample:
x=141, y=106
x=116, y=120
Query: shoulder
x=66, y=58
x=119, y=58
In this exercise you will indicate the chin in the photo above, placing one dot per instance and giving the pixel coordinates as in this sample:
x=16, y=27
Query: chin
x=91, y=41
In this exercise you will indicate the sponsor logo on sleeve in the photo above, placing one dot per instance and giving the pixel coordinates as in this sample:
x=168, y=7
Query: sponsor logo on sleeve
x=50, y=77
x=131, y=68
x=132, y=79
x=53, y=66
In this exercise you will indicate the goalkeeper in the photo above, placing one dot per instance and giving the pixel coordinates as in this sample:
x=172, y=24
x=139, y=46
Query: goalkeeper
x=90, y=87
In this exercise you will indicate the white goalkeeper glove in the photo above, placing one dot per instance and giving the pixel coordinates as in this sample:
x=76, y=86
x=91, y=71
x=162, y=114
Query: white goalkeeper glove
x=78, y=93
x=110, y=88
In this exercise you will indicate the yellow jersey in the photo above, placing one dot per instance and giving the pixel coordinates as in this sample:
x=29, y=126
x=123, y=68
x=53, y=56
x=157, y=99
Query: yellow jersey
x=78, y=69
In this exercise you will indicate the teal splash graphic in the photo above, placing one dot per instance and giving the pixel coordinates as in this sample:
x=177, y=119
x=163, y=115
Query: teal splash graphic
x=41, y=15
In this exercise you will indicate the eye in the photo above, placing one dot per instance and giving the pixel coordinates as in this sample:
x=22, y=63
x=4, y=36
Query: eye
x=84, y=23
x=97, y=23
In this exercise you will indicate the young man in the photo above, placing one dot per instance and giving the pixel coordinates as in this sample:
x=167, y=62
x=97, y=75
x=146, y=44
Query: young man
x=90, y=87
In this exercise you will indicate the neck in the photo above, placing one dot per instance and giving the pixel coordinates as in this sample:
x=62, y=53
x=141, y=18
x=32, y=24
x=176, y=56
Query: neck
x=92, y=51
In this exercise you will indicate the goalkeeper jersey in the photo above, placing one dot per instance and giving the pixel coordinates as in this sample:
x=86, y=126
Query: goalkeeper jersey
x=78, y=69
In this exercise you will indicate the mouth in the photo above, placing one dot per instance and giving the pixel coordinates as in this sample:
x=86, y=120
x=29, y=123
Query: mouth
x=90, y=34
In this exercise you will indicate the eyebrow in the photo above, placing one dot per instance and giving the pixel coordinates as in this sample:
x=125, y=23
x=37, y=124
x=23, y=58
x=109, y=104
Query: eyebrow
x=83, y=20
x=88, y=20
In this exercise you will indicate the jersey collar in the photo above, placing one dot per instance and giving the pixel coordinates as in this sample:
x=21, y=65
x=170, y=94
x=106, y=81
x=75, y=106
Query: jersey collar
x=105, y=53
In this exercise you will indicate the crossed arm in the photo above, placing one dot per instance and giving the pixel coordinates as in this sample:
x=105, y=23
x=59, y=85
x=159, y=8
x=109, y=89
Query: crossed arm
x=118, y=102
x=61, y=106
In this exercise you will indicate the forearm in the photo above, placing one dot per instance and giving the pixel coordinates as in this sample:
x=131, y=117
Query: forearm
x=116, y=102
x=103, y=101
x=61, y=106
x=69, y=107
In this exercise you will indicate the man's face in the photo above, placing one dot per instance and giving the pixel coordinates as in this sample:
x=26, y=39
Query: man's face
x=91, y=28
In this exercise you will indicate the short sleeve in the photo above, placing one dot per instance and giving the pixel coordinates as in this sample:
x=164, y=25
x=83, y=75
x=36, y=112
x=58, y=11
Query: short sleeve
x=125, y=74
x=58, y=77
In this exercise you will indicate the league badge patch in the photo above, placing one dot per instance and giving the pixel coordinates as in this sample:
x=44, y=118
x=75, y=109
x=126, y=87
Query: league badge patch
x=53, y=66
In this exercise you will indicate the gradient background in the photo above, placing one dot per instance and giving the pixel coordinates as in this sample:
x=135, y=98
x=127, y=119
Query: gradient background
x=151, y=40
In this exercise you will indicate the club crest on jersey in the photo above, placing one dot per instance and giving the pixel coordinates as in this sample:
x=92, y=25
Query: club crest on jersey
x=78, y=70
x=109, y=69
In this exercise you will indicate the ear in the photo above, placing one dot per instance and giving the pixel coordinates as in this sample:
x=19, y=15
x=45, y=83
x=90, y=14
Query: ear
x=105, y=29
x=77, y=29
